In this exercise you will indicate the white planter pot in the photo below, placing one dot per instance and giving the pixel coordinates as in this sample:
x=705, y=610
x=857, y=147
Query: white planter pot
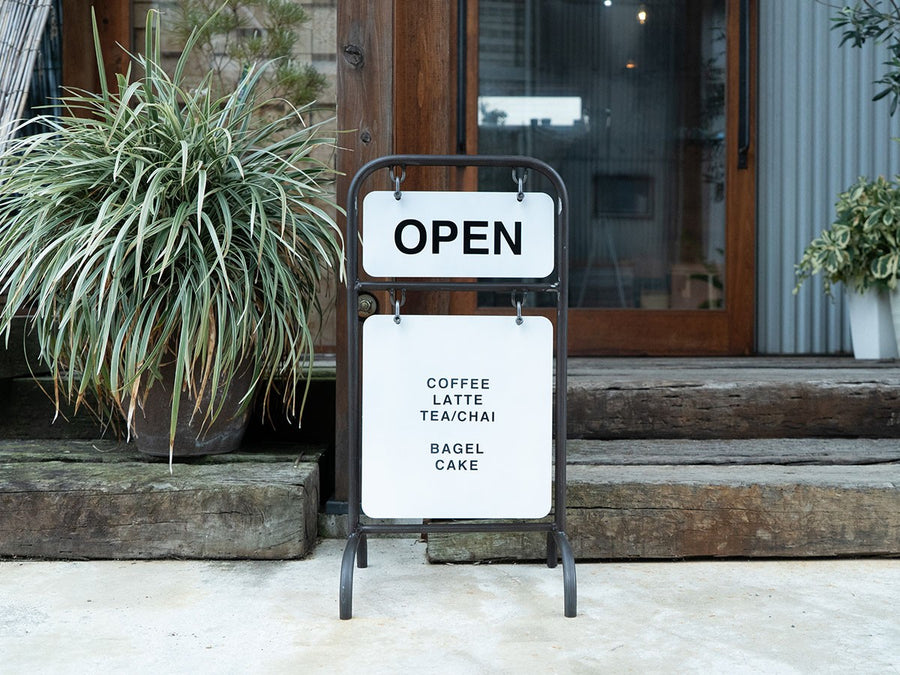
x=894, y=296
x=871, y=324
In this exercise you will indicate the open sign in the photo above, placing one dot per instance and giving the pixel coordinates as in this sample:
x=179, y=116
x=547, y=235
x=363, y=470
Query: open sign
x=458, y=234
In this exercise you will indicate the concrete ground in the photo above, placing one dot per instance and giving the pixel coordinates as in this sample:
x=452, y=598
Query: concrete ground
x=821, y=616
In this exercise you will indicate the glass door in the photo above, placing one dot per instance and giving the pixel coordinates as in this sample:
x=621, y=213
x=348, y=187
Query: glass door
x=641, y=107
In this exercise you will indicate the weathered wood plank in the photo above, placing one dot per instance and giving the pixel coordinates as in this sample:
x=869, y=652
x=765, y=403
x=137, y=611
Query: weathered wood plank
x=131, y=510
x=688, y=512
x=609, y=400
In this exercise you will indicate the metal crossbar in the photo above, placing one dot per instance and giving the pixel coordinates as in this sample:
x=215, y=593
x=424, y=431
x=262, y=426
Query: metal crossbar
x=558, y=547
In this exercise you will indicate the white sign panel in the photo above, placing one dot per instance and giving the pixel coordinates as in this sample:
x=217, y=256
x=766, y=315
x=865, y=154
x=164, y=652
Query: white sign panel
x=458, y=234
x=457, y=417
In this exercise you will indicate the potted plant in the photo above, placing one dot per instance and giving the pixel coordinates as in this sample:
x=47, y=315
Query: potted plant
x=169, y=240
x=861, y=250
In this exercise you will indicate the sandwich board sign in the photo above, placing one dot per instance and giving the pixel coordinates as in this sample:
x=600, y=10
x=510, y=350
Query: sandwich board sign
x=452, y=417
x=456, y=417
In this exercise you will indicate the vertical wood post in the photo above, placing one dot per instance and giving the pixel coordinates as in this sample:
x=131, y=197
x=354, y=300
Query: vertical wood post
x=114, y=20
x=425, y=105
x=365, y=112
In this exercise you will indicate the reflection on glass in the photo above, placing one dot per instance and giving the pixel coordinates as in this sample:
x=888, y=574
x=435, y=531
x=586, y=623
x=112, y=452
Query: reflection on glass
x=559, y=111
x=627, y=101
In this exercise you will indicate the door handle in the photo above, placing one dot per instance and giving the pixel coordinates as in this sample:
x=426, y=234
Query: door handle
x=743, y=84
x=461, y=59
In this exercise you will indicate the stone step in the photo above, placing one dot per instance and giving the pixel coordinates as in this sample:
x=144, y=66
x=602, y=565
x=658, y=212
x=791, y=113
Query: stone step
x=708, y=398
x=747, y=499
x=100, y=499
x=615, y=398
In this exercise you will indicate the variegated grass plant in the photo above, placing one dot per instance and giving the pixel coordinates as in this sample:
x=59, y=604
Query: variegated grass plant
x=154, y=223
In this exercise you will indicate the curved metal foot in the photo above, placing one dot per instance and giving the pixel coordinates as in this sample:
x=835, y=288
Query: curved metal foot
x=570, y=588
x=347, y=561
x=552, y=554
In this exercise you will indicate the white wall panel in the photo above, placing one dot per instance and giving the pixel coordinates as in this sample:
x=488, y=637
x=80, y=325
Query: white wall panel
x=818, y=131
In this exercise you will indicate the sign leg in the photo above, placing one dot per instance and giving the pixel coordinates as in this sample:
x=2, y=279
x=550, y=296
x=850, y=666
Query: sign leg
x=569, y=585
x=347, y=575
x=362, y=553
x=552, y=553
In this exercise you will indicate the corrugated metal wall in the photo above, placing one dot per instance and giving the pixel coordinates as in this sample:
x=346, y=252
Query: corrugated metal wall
x=818, y=131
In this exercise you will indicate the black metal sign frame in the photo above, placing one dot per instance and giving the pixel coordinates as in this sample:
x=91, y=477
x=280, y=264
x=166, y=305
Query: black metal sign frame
x=557, y=284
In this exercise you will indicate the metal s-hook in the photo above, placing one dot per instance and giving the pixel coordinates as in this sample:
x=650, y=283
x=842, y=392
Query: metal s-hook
x=397, y=303
x=519, y=177
x=517, y=302
x=397, y=180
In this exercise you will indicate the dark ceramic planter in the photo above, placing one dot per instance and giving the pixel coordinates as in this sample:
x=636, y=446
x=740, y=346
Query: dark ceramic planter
x=150, y=425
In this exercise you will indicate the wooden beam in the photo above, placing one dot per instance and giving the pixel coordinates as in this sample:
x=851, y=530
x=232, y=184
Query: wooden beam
x=425, y=104
x=135, y=510
x=425, y=86
x=365, y=111
x=666, y=512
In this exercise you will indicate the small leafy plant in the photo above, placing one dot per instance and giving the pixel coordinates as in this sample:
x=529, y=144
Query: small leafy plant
x=879, y=22
x=154, y=224
x=860, y=249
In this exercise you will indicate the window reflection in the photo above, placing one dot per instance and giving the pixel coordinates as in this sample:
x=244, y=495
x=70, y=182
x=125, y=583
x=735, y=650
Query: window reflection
x=627, y=101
